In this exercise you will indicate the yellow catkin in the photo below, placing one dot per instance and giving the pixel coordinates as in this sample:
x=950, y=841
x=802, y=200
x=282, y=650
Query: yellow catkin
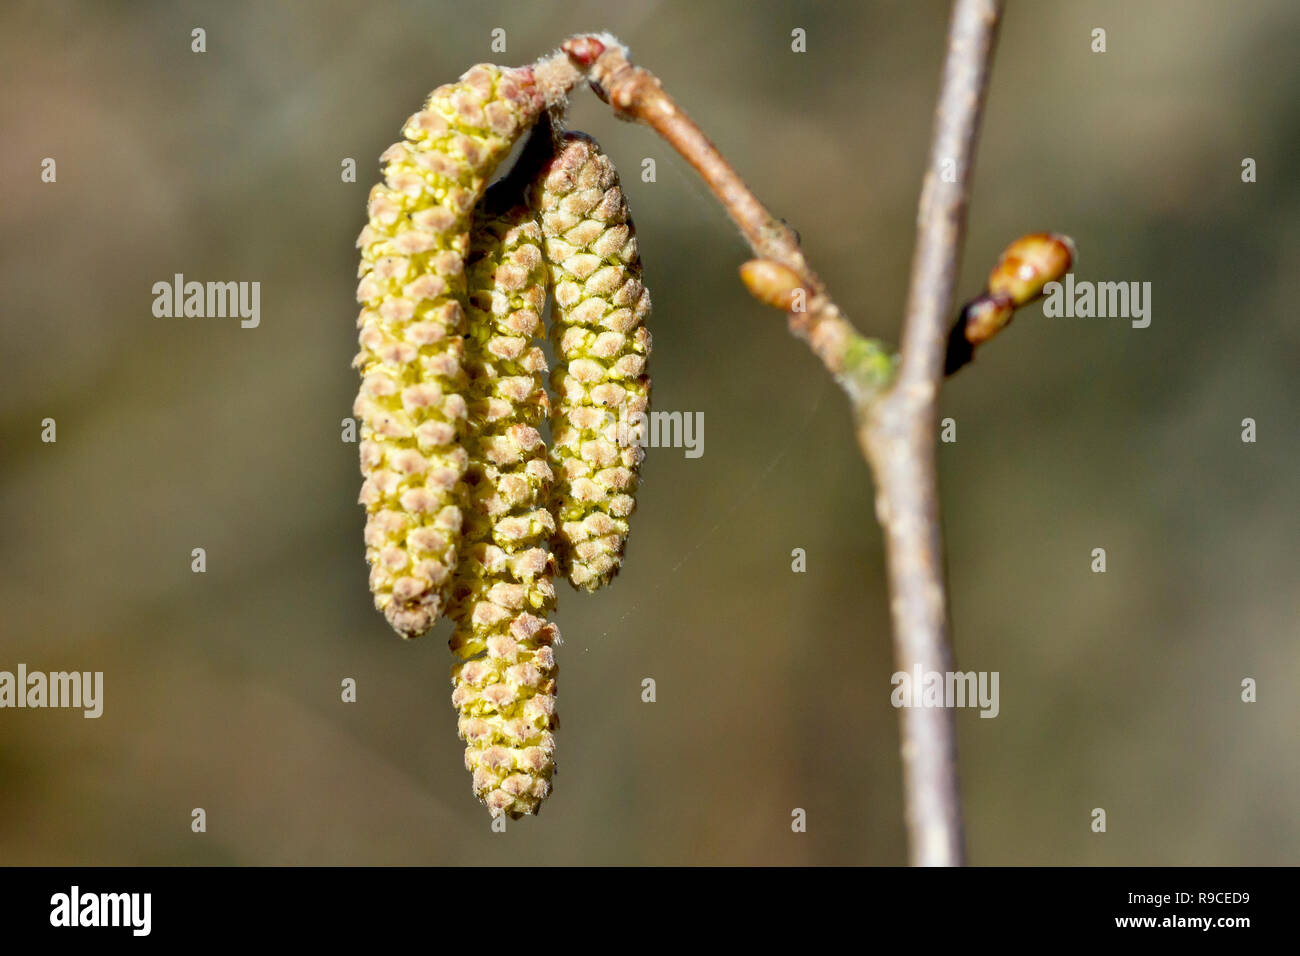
x=504, y=689
x=601, y=343
x=411, y=404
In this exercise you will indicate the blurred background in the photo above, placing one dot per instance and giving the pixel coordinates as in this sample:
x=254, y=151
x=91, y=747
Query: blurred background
x=222, y=690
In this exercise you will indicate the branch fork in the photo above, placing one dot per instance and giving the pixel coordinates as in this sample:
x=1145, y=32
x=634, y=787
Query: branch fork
x=894, y=399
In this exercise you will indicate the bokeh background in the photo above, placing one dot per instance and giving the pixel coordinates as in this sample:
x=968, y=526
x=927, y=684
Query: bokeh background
x=222, y=690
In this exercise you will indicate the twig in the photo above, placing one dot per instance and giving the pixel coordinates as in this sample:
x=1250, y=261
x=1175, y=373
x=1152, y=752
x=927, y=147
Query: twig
x=896, y=418
x=858, y=363
x=898, y=435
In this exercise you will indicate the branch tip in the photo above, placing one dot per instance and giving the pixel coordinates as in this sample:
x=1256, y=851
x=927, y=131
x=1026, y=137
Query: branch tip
x=1018, y=278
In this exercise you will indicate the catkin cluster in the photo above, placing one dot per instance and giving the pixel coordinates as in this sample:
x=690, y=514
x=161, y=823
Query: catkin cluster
x=469, y=516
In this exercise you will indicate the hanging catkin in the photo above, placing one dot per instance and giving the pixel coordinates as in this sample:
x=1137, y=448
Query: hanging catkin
x=411, y=404
x=504, y=689
x=602, y=391
x=463, y=501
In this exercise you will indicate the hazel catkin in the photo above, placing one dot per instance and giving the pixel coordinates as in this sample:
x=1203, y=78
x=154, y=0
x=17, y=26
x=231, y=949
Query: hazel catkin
x=504, y=686
x=601, y=343
x=411, y=404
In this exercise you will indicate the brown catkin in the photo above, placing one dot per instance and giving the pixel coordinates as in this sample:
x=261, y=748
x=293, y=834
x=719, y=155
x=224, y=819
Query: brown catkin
x=504, y=688
x=411, y=404
x=601, y=343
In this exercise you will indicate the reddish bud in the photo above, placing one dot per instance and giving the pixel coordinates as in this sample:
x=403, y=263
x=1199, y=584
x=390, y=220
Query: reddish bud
x=583, y=50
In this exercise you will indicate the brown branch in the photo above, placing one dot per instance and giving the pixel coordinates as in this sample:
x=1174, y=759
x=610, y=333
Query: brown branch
x=896, y=425
x=898, y=435
x=858, y=363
